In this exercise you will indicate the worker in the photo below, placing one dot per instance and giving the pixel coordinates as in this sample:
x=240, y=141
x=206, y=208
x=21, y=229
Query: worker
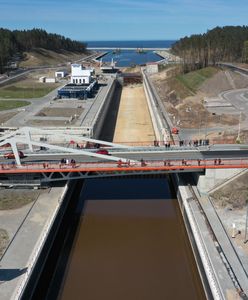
x=143, y=164
x=119, y=163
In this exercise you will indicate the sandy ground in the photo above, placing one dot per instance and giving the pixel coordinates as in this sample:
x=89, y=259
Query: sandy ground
x=189, y=111
x=59, y=112
x=5, y=116
x=133, y=122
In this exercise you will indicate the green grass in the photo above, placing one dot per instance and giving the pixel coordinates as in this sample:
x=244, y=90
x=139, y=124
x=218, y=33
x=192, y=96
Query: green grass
x=10, y=104
x=17, y=92
x=194, y=79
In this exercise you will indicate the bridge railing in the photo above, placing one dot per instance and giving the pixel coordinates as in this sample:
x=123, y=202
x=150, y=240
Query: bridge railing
x=106, y=166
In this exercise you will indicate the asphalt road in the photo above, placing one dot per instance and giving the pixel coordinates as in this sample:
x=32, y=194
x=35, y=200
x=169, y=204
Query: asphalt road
x=237, y=99
x=154, y=154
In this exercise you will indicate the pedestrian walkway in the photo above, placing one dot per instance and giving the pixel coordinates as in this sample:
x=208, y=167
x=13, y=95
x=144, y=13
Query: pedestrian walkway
x=16, y=264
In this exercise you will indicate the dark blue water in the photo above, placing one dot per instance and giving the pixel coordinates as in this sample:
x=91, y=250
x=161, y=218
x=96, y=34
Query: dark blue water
x=131, y=44
x=129, y=58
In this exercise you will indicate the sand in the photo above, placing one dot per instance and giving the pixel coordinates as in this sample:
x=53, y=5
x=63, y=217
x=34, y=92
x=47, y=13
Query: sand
x=134, y=125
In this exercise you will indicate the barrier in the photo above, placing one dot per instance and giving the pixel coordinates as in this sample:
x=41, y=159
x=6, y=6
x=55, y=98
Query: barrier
x=212, y=279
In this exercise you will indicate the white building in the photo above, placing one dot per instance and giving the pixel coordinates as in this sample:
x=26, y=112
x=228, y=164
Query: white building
x=81, y=75
x=152, y=68
x=61, y=74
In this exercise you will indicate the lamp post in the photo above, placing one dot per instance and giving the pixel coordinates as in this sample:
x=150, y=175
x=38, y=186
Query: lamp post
x=206, y=123
x=238, y=137
x=246, y=222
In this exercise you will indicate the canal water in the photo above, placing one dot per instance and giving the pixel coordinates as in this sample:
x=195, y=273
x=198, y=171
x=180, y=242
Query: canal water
x=130, y=244
x=129, y=58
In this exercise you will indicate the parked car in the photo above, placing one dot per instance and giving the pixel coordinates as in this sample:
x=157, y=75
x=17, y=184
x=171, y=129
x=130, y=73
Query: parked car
x=103, y=152
x=11, y=155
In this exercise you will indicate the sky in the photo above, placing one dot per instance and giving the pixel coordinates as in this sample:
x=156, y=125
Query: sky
x=109, y=20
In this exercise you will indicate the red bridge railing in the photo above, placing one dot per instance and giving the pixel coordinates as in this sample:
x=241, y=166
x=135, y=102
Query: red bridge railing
x=152, y=165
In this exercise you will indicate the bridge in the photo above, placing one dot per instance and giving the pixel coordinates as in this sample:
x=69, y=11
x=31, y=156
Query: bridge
x=72, y=159
x=126, y=48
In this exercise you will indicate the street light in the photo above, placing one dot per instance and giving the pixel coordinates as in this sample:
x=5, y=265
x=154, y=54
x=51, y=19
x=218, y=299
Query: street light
x=238, y=137
x=246, y=222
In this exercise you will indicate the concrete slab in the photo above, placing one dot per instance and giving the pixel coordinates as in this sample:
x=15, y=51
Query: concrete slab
x=15, y=264
x=225, y=243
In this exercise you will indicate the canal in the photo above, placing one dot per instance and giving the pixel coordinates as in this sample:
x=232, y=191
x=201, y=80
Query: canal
x=126, y=240
x=130, y=244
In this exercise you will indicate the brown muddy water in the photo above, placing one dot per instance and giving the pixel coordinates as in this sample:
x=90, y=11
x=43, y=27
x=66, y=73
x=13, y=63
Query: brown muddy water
x=131, y=244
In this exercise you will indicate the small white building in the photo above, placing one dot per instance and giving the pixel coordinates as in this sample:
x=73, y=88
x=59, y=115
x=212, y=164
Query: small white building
x=152, y=68
x=50, y=80
x=61, y=74
x=81, y=75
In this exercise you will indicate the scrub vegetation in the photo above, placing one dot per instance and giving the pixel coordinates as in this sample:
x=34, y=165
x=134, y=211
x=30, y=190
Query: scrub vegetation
x=4, y=239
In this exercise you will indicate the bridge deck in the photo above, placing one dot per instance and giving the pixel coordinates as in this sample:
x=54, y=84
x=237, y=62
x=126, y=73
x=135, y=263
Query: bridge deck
x=179, y=165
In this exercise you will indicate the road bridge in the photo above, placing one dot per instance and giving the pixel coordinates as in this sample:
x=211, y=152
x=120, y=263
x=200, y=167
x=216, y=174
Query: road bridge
x=128, y=48
x=64, y=162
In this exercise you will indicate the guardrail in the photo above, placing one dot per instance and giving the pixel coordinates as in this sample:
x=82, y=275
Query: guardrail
x=125, y=164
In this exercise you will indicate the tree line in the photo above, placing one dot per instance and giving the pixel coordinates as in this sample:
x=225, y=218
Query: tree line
x=18, y=41
x=226, y=44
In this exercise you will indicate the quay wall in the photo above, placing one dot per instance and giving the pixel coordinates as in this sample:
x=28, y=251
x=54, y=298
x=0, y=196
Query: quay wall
x=100, y=116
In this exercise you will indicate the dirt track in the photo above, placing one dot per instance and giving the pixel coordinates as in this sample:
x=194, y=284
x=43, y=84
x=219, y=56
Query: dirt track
x=133, y=122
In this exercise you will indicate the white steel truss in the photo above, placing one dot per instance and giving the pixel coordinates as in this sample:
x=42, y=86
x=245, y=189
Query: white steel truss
x=24, y=135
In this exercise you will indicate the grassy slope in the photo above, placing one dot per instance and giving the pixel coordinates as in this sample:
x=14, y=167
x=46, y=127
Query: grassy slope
x=192, y=81
x=9, y=104
x=16, y=91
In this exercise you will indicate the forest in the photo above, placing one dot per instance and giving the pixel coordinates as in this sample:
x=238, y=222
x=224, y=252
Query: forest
x=221, y=44
x=18, y=41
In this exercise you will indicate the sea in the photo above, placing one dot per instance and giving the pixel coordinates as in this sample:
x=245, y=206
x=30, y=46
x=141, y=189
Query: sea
x=130, y=58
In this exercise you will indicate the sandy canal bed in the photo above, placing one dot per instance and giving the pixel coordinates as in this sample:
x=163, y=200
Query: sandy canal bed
x=134, y=123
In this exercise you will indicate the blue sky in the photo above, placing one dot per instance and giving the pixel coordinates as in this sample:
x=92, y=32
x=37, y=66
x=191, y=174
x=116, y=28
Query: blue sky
x=122, y=19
